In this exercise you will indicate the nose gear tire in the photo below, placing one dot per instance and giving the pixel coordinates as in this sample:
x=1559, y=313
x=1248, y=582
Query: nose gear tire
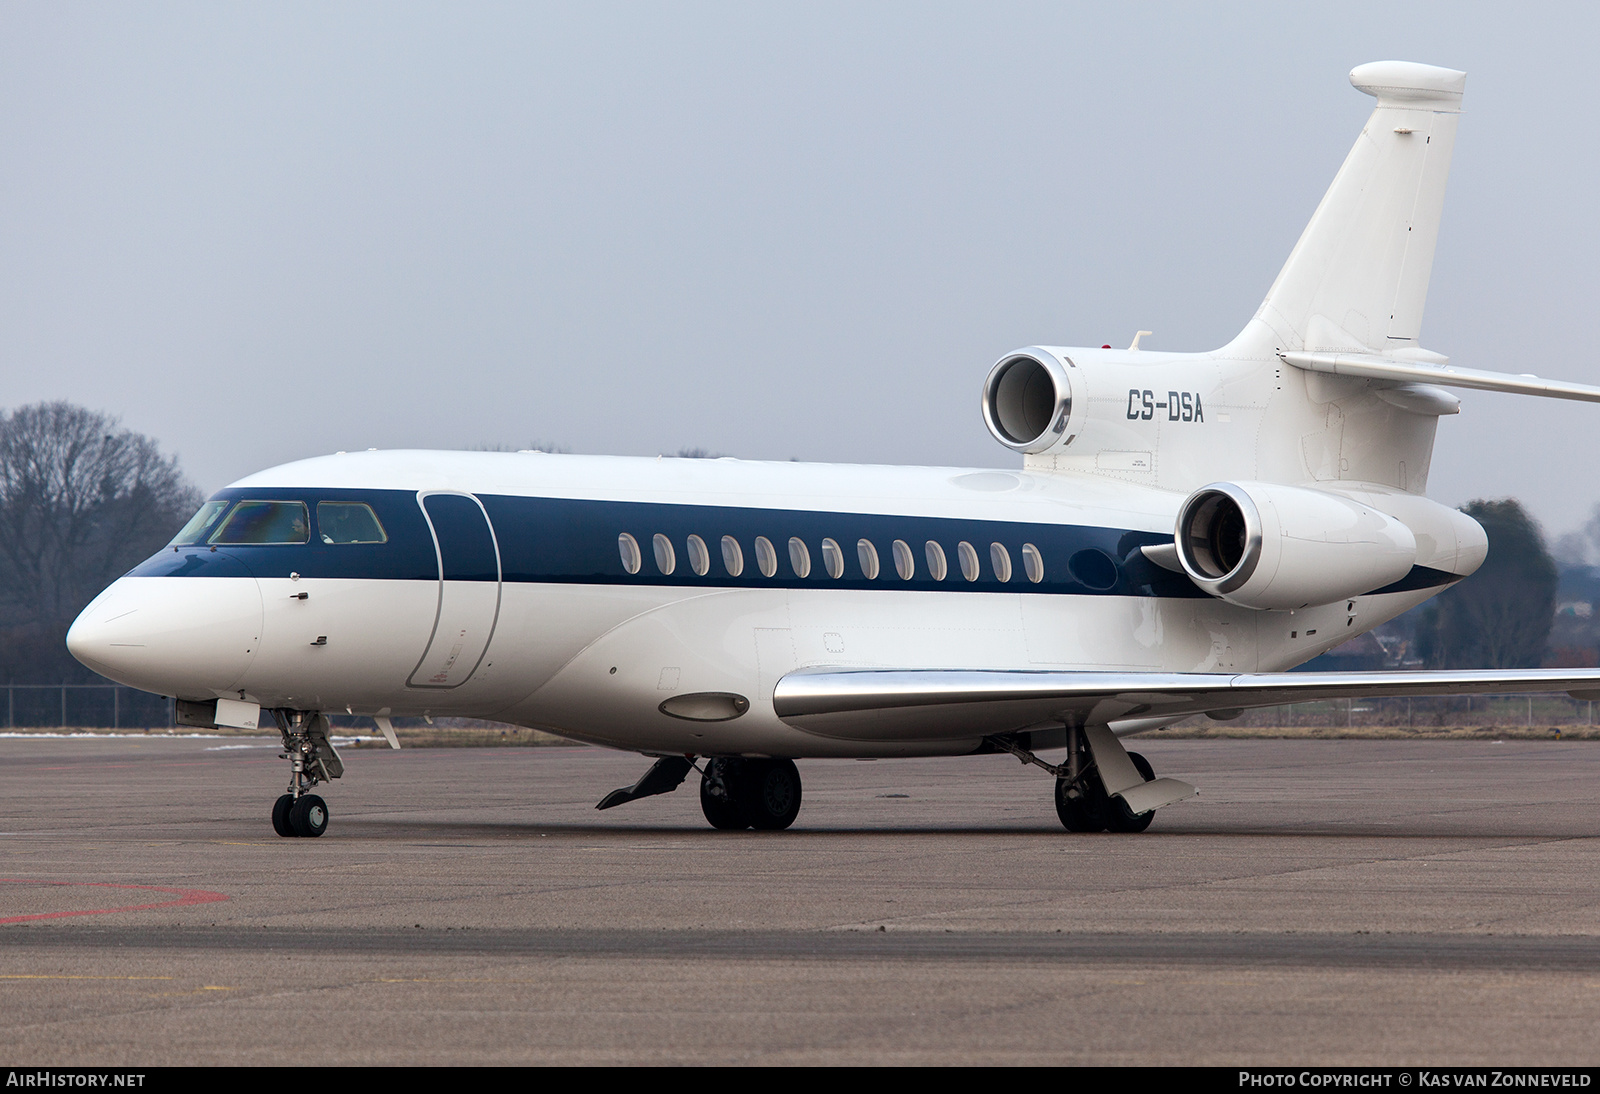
x=309, y=816
x=280, y=815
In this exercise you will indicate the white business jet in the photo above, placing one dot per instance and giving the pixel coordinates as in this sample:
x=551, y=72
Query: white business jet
x=1183, y=529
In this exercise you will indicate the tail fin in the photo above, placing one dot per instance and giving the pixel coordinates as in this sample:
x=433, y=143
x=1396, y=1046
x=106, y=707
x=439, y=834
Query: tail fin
x=1358, y=277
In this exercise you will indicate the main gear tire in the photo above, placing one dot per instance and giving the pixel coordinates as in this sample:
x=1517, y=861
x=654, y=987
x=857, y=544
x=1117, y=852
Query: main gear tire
x=770, y=794
x=1079, y=812
x=1119, y=818
x=723, y=810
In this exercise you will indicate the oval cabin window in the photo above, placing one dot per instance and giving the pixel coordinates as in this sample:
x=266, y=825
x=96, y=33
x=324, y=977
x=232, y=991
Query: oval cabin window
x=938, y=569
x=904, y=563
x=832, y=559
x=666, y=557
x=1032, y=563
x=1000, y=559
x=732, y=556
x=969, y=560
x=766, y=556
x=628, y=548
x=799, y=557
x=699, y=557
x=867, y=554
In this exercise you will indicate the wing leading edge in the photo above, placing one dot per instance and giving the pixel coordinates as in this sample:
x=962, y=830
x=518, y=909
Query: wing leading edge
x=946, y=704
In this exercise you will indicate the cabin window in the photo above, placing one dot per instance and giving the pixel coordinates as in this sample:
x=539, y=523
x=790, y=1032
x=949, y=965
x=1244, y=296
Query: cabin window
x=666, y=557
x=699, y=557
x=199, y=524
x=867, y=555
x=938, y=569
x=1000, y=559
x=904, y=564
x=969, y=560
x=1032, y=563
x=348, y=522
x=732, y=556
x=832, y=559
x=628, y=548
x=799, y=557
x=766, y=556
x=260, y=522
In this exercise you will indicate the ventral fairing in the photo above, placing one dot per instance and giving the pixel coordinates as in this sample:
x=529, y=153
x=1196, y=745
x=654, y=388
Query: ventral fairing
x=1183, y=528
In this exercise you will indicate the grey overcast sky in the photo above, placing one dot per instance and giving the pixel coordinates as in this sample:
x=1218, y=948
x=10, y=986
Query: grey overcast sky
x=265, y=231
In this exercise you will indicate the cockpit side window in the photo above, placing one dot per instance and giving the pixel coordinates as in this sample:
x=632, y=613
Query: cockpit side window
x=256, y=522
x=348, y=522
x=200, y=524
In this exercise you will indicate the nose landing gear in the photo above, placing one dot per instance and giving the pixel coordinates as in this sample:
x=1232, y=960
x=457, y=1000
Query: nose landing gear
x=312, y=760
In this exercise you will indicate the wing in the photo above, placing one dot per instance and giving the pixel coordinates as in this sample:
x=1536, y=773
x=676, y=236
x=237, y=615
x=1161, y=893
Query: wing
x=944, y=704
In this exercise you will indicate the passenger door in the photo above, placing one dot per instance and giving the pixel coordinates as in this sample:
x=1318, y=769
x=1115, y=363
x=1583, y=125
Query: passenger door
x=469, y=590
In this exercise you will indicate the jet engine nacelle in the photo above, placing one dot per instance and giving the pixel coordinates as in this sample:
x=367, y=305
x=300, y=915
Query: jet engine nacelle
x=1027, y=400
x=1266, y=546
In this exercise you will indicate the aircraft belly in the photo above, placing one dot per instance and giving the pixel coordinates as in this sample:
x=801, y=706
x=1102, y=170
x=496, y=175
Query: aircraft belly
x=619, y=689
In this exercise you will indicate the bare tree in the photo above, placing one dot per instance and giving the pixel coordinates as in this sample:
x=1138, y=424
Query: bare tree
x=1500, y=617
x=81, y=501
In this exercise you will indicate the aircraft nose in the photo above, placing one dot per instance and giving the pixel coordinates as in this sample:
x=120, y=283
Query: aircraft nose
x=184, y=636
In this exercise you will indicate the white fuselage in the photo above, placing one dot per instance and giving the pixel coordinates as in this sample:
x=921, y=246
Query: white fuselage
x=562, y=637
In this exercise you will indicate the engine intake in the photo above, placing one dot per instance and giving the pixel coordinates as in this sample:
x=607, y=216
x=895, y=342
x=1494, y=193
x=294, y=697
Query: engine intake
x=1266, y=546
x=1027, y=400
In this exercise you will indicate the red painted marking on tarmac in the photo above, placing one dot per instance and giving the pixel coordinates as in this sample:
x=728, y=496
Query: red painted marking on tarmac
x=185, y=897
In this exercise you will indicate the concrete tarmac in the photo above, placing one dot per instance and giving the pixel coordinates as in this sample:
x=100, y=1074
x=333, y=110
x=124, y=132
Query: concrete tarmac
x=1322, y=902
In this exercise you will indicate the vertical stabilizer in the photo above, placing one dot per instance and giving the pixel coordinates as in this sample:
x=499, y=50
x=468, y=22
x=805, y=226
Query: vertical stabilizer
x=1358, y=277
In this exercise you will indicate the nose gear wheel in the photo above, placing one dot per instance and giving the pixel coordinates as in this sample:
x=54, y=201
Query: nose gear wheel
x=312, y=759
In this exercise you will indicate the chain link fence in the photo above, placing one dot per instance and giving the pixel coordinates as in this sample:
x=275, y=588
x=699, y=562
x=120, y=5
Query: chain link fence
x=85, y=706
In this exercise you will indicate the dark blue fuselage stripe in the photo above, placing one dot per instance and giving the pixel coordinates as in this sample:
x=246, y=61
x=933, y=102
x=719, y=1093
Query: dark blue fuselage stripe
x=575, y=541
x=568, y=541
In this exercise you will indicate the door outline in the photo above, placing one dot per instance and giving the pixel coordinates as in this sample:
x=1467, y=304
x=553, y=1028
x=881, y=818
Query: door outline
x=438, y=611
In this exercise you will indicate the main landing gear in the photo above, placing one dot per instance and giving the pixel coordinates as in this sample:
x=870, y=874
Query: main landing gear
x=312, y=760
x=1084, y=806
x=1102, y=787
x=759, y=794
x=735, y=793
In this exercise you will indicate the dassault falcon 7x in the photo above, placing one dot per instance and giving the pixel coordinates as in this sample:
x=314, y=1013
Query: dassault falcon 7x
x=1183, y=529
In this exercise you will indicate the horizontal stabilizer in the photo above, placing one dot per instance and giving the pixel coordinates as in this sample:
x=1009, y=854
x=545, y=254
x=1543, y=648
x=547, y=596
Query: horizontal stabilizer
x=951, y=704
x=1375, y=367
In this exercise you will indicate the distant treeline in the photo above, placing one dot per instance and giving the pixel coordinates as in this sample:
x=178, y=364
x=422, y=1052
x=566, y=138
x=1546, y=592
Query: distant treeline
x=82, y=500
